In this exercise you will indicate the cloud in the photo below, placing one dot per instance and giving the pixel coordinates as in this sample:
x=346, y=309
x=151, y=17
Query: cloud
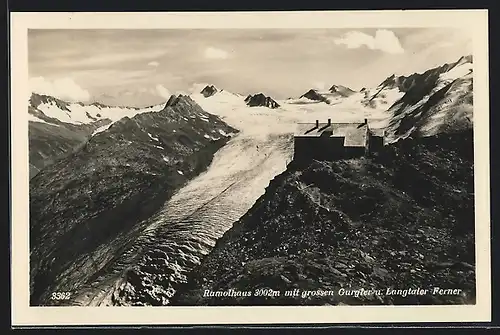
x=162, y=91
x=384, y=40
x=153, y=63
x=63, y=88
x=214, y=53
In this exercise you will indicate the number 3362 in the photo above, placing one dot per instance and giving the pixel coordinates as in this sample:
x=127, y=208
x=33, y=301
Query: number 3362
x=60, y=295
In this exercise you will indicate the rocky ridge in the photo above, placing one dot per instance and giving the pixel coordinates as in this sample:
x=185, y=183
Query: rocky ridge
x=58, y=128
x=261, y=100
x=401, y=219
x=437, y=101
x=208, y=91
x=85, y=207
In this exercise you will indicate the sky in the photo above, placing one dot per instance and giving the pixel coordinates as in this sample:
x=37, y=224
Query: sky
x=144, y=67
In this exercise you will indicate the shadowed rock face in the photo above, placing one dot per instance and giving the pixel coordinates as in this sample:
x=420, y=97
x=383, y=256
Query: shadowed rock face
x=434, y=102
x=58, y=128
x=86, y=207
x=37, y=99
x=171, y=101
x=421, y=82
x=208, y=91
x=54, y=139
x=401, y=219
x=49, y=142
x=261, y=100
x=314, y=95
x=341, y=90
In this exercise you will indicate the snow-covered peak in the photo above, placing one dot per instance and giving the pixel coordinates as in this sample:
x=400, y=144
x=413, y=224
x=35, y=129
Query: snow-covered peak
x=427, y=108
x=78, y=113
x=341, y=90
x=209, y=90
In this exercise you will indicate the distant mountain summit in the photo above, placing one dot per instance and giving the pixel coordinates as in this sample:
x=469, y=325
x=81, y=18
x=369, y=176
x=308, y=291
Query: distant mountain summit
x=402, y=83
x=395, y=86
x=261, y=100
x=171, y=100
x=101, y=192
x=208, y=91
x=424, y=172
x=341, y=90
x=313, y=94
x=436, y=101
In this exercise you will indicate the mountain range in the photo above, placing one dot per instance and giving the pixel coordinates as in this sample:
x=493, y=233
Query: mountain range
x=86, y=206
x=57, y=127
x=131, y=206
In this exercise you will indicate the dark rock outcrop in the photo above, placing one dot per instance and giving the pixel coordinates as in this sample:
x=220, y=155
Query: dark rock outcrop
x=85, y=208
x=208, y=91
x=171, y=101
x=313, y=94
x=49, y=143
x=342, y=91
x=261, y=100
x=54, y=139
x=421, y=82
x=432, y=103
x=401, y=219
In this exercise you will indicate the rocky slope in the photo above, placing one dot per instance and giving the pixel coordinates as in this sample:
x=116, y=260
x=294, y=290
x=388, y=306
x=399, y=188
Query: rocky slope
x=335, y=94
x=399, y=220
x=422, y=104
x=209, y=90
x=381, y=97
x=58, y=128
x=342, y=91
x=50, y=138
x=50, y=142
x=437, y=101
x=86, y=207
x=314, y=95
x=117, y=222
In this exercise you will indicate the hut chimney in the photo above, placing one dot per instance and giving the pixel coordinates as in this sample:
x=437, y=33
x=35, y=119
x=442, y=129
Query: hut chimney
x=366, y=121
x=317, y=123
x=329, y=121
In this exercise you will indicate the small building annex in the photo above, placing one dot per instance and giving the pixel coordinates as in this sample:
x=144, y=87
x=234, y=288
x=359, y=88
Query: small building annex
x=327, y=141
